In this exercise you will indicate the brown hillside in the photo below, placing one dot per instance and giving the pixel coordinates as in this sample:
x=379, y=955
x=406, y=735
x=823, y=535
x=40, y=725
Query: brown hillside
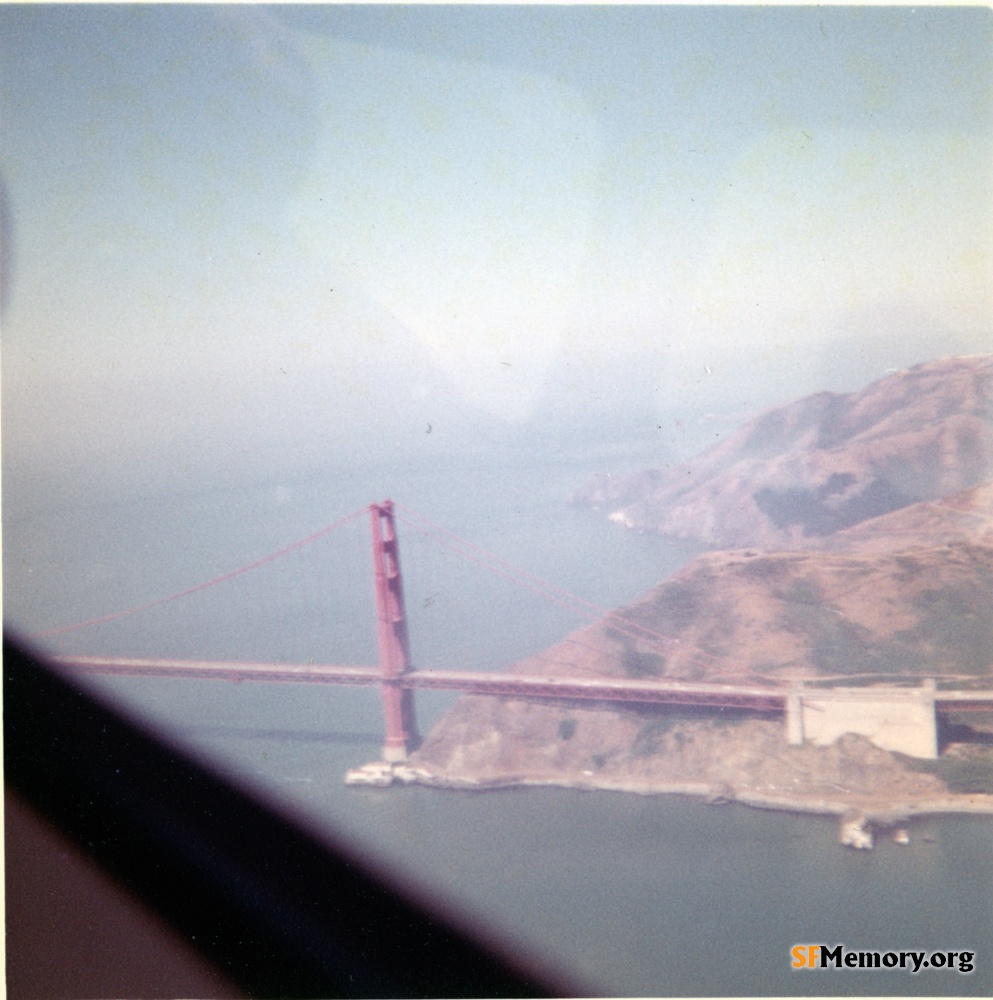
x=876, y=503
x=907, y=613
x=883, y=600
x=965, y=516
x=799, y=473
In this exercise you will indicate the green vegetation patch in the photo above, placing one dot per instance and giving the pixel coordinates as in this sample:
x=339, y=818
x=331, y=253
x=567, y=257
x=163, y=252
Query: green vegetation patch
x=971, y=774
x=801, y=591
x=634, y=662
x=637, y=664
x=648, y=742
x=675, y=606
x=908, y=568
x=838, y=645
x=722, y=626
x=766, y=570
x=814, y=509
x=651, y=736
x=953, y=634
x=955, y=627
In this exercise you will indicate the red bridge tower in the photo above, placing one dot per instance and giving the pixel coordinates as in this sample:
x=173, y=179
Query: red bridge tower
x=394, y=645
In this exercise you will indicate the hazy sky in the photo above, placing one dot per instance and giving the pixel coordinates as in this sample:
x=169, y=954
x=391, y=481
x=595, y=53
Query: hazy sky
x=257, y=240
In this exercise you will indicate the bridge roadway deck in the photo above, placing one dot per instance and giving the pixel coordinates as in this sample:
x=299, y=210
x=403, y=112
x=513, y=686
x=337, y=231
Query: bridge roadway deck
x=224, y=670
x=756, y=698
x=753, y=697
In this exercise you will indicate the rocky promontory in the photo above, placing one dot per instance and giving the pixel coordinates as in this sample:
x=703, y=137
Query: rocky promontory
x=821, y=587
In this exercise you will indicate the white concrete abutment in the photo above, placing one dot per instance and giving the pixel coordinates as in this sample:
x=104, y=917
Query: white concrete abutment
x=897, y=719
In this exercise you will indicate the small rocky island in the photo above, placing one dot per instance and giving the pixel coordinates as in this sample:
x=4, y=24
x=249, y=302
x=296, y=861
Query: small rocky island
x=855, y=548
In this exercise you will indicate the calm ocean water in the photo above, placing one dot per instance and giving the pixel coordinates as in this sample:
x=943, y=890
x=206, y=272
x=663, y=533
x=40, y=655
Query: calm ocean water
x=631, y=895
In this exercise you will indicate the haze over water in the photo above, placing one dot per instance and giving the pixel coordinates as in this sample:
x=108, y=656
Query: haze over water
x=251, y=242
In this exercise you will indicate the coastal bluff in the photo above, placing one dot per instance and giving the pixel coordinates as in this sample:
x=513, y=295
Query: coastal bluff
x=850, y=598
x=738, y=617
x=797, y=474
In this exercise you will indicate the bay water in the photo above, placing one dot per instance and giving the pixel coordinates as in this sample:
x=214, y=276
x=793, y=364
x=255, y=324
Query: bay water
x=627, y=895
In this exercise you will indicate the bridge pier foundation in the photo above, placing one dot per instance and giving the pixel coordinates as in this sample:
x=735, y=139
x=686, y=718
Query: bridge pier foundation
x=401, y=723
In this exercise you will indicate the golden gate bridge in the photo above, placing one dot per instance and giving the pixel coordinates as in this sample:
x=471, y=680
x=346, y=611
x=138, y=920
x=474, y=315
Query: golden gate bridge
x=398, y=681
